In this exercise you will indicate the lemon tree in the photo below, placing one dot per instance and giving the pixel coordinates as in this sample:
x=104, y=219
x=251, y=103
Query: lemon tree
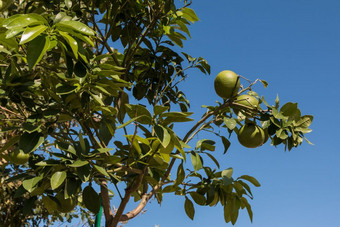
x=72, y=76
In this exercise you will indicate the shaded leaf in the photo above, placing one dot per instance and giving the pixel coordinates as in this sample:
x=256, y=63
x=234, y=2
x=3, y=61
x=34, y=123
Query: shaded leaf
x=91, y=199
x=251, y=180
x=189, y=208
x=36, y=50
x=163, y=135
x=30, y=141
x=226, y=144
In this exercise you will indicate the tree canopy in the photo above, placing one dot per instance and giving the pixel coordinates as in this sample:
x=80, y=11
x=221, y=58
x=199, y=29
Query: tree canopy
x=90, y=103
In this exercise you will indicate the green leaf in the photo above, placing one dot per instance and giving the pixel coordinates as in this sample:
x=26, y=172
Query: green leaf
x=180, y=174
x=226, y=212
x=129, y=122
x=250, y=212
x=80, y=69
x=71, y=42
x=23, y=20
x=139, y=110
x=198, y=198
x=214, y=159
x=64, y=89
x=160, y=109
x=101, y=170
x=265, y=83
x=84, y=172
x=49, y=204
x=226, y=144
x=78, y=163
x=72, y=187
x=251, y=180
x=91, y=199
x=31, y=33
x=282, y=134
x=227, y=173
x=30, y=184
x=13, y=32
x=277, y=102
x=230, y=122
x=176, y=40
x=291, y=111
x=163, y=135
x=205, y=144
x=189, y=208
x=189, y=14
x=36, y=50
x=196, y=161
x=30, y=141
x=57, y=179
x=305, y=121
x=77, y=26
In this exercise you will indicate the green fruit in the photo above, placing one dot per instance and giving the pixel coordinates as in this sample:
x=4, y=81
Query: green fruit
x=18, y=157
x=251, y=135
x=266, y=135
x=227, y=84
x=247, y=100
x=65, y=205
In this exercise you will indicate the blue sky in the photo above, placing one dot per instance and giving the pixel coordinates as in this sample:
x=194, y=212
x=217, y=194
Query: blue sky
x=295, y=46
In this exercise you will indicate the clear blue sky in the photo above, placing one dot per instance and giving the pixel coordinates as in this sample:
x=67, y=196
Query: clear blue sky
x=295, y=46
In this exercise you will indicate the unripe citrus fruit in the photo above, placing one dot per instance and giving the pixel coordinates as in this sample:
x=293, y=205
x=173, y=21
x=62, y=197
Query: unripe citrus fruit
x=247, y=100
x=251, y=135
x=18, y=157
x=266, y=135
x=227, y=84
x=65, y=205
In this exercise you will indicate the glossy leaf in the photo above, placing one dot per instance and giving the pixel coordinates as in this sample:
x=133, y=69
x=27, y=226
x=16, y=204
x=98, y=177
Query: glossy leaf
x=77, y=26
x=31, y=33
x=71, y=42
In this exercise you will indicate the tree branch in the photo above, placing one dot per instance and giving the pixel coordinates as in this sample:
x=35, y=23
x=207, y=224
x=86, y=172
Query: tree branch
x=128, y=191
x=106, y=203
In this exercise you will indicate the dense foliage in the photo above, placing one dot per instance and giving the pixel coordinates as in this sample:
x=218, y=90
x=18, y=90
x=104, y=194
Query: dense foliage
x=71, y=76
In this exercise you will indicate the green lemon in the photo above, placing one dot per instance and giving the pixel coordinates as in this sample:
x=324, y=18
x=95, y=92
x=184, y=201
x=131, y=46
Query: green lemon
x=247, y=100
x=227, y=84
x=251, y=135
x=65, y=205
